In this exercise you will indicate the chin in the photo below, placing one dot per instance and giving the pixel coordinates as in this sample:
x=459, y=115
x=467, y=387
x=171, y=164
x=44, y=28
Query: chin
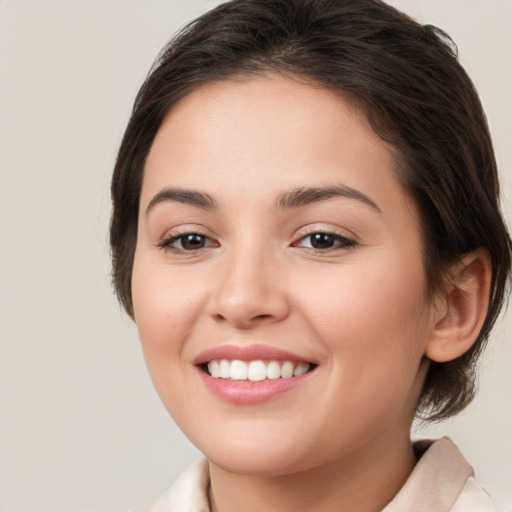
x=256, y=463
x=252, y=455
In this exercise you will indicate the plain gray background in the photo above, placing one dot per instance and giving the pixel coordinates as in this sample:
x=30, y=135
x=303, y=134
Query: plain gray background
x=81, y=428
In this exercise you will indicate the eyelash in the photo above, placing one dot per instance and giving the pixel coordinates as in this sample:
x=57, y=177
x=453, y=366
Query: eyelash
x=166, y=244
x=339, y=242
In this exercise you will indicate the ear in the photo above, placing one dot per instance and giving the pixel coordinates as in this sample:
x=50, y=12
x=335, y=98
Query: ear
x=462, y=309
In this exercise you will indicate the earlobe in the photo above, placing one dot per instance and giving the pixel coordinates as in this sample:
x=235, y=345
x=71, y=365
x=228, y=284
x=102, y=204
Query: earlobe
x=464, y=308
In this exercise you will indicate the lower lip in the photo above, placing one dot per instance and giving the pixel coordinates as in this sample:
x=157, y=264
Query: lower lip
x=247, y=392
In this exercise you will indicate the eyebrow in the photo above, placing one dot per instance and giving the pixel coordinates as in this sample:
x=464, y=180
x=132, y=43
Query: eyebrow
x=191, y=197
x=291, y=199
x=304, y=196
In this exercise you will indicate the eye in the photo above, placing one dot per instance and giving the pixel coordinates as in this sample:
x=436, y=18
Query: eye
x=325, y=241
x=187, y=242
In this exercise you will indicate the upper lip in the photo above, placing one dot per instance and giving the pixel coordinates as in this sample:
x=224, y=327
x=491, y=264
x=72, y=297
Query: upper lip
x=248, y=353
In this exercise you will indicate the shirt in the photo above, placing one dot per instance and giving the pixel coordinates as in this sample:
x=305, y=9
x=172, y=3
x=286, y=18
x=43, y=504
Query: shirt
x=442, y=481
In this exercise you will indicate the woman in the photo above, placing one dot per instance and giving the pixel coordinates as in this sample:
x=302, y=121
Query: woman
x=306, y=230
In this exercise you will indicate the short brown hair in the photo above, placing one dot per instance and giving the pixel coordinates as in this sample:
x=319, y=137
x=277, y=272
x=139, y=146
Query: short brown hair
x=417, y=97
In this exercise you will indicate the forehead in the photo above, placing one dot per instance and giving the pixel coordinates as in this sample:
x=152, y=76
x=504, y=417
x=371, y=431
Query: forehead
x=269, y=132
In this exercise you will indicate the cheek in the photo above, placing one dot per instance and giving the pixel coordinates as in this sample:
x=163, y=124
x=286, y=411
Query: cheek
x=166, y=306
x=373, y=326
x=371, y=314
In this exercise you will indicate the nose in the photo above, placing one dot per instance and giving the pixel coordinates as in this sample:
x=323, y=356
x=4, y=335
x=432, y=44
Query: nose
x=250, y=292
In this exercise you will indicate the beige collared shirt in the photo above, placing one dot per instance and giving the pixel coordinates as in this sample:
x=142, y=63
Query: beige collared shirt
x=442, y=481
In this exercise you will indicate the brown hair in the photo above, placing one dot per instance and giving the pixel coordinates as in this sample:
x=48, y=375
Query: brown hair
x=416, y=95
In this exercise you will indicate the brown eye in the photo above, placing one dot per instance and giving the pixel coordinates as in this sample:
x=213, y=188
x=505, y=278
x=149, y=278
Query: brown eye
x=325, y=241
x=192, y=241
x=187, y=242
x=322, y=241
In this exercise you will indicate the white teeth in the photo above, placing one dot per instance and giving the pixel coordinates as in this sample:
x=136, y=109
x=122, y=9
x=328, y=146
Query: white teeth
x=287, y=370
x=273, y=370
x=225, y=369
x=255, y=371
x=238, y=370
x=214, y=369
x=300, y=369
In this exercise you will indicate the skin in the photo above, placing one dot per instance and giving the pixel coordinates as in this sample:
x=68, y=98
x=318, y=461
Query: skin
x=359, y=310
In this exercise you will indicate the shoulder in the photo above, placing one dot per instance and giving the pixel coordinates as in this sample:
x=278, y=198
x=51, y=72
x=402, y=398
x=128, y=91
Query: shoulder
x=188, y=494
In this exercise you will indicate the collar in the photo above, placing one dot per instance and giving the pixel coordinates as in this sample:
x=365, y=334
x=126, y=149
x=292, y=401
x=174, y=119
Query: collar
x=434, y=485
x=436, y=481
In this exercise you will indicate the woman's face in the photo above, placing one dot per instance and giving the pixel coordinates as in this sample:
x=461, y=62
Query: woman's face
x=274, y=238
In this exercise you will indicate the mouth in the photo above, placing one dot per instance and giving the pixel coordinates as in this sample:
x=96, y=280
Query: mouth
x=252, y=374
x=255, y=371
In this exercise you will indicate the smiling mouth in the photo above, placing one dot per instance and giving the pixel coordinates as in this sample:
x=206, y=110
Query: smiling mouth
x=255, y=371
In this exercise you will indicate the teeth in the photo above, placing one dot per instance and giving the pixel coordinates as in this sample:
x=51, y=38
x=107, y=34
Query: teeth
x=255, y=371
x=239, y=370
x=225, y=369
x=287, y=370
x=300, y=369
x=273, y=370
x=214, y=368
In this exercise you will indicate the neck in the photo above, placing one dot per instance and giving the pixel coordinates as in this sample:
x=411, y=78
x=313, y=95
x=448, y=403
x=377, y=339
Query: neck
x=365, y=482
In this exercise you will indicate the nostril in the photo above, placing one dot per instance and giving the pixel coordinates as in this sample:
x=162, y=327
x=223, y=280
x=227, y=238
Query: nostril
x=262, y=317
